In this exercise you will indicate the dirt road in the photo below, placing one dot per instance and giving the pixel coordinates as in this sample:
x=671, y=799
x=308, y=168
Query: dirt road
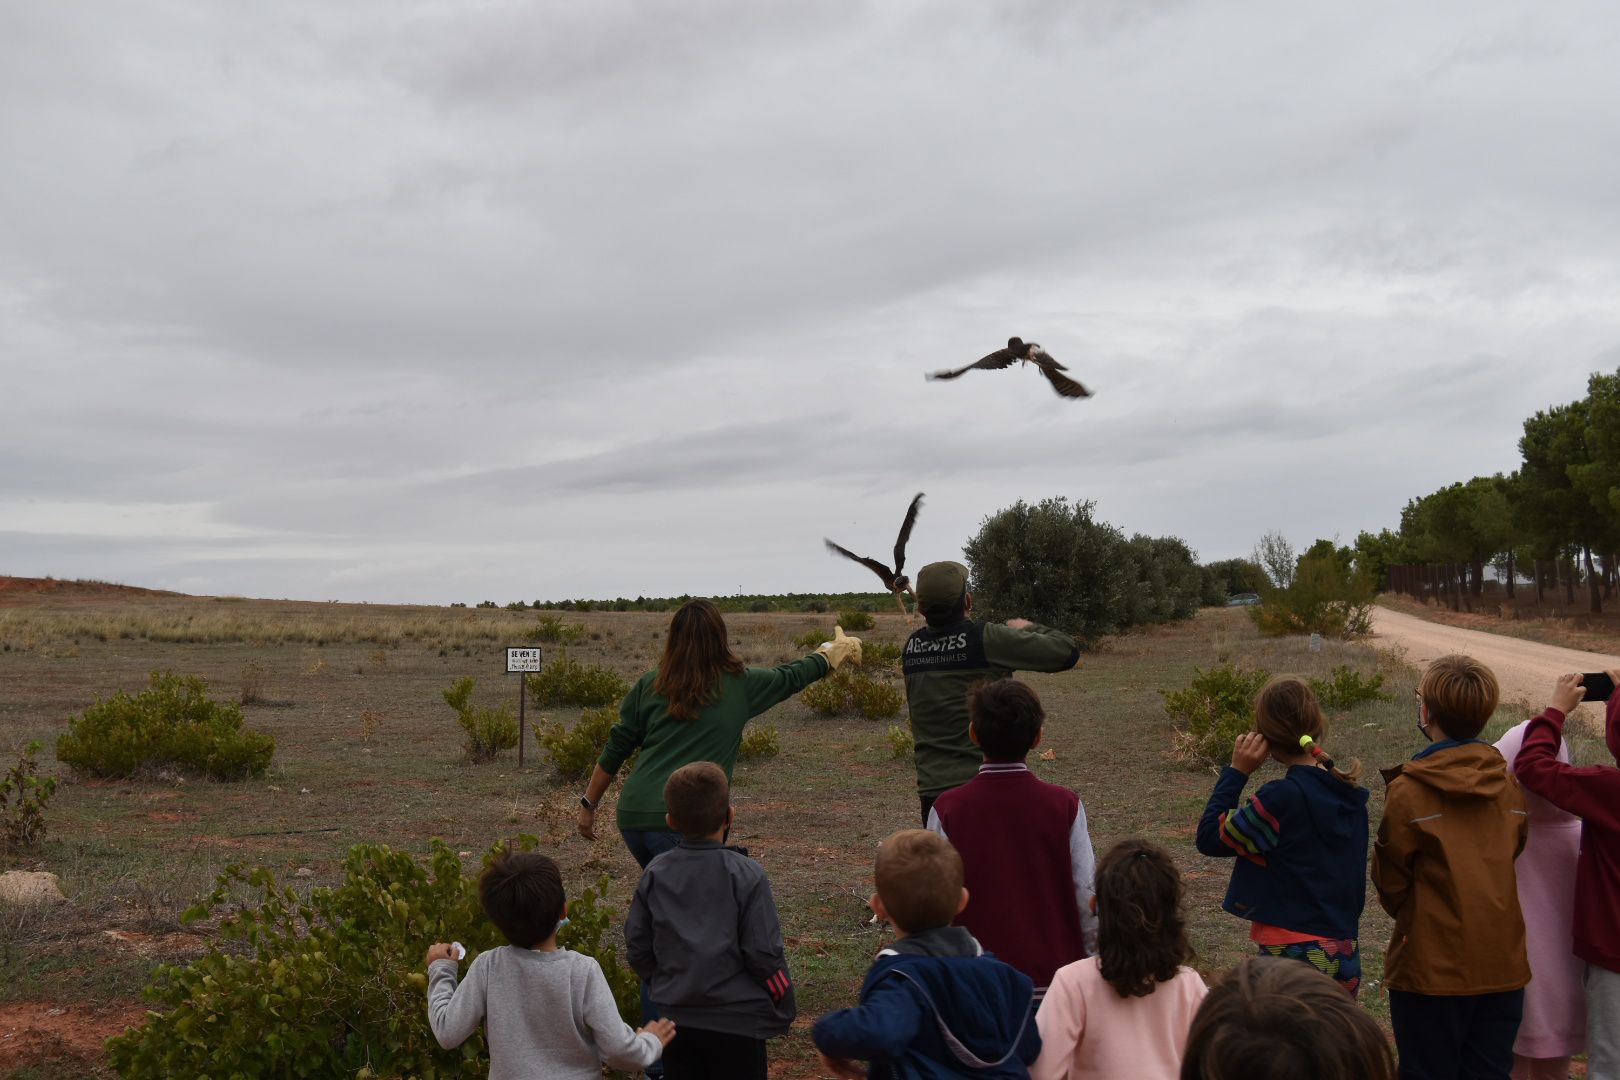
x=1525, y=669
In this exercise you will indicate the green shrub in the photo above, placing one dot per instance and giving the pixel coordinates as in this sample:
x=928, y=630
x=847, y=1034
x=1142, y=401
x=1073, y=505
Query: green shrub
x=552, y=630
x=573, y=750
x=489, y=730
x=880, y=656
x=171, y=723
x=760, y=741
x=811, y=640
x=1323, y=596
x=847, y=692
x=901, y=742
x=1345, y=688
x=23, y=797
x=565, y=681
x=333, y=984
x=853, y=620
x=1212, y=711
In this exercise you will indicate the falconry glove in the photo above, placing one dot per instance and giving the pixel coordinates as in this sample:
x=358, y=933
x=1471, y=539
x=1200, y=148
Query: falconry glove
x=840, y=648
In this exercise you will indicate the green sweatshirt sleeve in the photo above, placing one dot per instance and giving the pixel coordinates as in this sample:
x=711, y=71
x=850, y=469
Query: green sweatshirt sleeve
x=628, y=733
x=1033, y=648
x=771, y=686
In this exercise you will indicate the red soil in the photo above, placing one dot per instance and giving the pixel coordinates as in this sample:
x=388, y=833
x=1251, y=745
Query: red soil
x=20, y=590
x=41, y=1031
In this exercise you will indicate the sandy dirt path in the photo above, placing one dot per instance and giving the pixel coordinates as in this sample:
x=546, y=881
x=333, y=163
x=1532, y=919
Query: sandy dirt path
x=1524, y=669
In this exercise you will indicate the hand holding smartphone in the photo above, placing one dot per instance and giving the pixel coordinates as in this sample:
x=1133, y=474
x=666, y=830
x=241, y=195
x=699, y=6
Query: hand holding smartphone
x=1599, y=686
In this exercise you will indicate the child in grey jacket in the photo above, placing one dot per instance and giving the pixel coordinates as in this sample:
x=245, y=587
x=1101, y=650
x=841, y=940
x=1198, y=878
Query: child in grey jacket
x=548, y=1012
x=702, y=930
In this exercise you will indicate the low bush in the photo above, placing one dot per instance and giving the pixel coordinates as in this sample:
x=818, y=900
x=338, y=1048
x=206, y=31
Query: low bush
x=901, y=742
x=170, y=723
x=253, y=675
x=811, y=640
x=1345, y=688
x=488, y=730
x=854, y=620
x=1212, y=711
x=23, y=798
x=565, y=681
x=333, y=984
x=847, y=692
x=573, y=750
x=552, y=630
x=760, y=741
x=1323, y=596
x=880, y=655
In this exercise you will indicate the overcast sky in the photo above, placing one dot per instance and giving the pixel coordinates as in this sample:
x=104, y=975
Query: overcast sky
x=460, y=301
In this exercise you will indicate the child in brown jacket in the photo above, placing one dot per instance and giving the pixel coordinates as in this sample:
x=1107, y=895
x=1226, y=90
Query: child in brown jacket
x=1454, y=821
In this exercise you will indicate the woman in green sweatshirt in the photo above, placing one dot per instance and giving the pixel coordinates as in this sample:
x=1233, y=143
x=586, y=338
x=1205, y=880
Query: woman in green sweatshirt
x=693, y=707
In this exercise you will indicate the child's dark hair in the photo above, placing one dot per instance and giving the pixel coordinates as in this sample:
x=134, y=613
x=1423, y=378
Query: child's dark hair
x=1286, y=709
x=1141, y=935
x=1006, y=717
x=522, y=893
x=919, y=877
x=696, y=797
x=1273, y=1018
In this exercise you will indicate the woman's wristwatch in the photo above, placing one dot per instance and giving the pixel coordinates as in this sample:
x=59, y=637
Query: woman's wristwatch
x=585, y=801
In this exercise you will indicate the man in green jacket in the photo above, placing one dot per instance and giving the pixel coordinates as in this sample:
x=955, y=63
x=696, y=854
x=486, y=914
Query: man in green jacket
x=951, y=655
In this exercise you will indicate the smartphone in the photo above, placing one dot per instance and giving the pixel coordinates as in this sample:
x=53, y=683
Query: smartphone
x=1599, y=687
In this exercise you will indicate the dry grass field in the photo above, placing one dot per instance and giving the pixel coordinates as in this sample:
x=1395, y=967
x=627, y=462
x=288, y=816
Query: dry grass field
x=366, y=750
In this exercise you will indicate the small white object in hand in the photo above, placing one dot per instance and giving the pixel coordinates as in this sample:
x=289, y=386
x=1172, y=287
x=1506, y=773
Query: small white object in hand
x=457, y=950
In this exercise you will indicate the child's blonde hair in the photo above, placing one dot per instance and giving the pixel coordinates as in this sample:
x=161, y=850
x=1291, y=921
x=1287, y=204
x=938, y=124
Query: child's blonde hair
x=1286, y=709
x=919, y=877
x=1461, y=694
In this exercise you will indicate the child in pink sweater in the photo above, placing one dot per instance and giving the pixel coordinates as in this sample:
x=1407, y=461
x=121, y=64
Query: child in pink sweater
x=1126, y=1010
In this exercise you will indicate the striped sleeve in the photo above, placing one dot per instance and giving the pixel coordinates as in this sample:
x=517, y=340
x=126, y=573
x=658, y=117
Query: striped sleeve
x=1251, y=830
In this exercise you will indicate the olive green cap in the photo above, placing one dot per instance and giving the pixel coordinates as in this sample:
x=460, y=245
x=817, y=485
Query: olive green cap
x=940, y=585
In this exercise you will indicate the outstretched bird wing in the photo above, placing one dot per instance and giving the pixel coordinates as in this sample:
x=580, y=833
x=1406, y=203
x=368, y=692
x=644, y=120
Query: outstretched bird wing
x=905, y=535
x=999, y=359
x=873, y=565
x=1061, y=383
x=1042, y=357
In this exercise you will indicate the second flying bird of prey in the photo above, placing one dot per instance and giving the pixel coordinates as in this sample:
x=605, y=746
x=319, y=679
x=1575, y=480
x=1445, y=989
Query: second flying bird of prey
x=1024, y=352
x=893, y=580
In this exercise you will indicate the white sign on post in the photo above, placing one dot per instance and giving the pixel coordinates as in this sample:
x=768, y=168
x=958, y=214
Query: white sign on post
x=522, y=658
x=519, y=660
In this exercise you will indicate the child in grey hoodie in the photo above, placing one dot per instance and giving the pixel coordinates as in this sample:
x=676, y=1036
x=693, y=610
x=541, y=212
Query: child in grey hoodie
x=547, y=1012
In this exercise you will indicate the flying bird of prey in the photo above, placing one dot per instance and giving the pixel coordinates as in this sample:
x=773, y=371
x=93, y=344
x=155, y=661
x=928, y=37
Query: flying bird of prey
x=1024, y=352
x=893, y=580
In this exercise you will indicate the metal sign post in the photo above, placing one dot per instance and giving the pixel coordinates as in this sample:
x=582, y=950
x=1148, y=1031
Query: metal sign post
x=520, y=660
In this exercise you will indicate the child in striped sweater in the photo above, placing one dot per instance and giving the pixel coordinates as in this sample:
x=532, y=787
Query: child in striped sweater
x=1300, y=841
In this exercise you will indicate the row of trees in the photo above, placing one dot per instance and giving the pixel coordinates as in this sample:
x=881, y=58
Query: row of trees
x=1561, y=504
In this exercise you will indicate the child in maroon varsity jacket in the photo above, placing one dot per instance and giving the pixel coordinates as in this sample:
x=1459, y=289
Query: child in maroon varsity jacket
x=1026, y=853
x=1593, y=793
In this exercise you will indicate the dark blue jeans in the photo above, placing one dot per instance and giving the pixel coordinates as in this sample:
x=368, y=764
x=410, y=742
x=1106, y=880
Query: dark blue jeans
x=646, y=845
x=1455, y=1038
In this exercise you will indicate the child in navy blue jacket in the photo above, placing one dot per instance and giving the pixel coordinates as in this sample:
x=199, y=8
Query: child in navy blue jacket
x=934, y=1003
x=1300, y=841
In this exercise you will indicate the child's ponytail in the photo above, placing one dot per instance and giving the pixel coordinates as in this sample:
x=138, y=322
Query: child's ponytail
x=1287, y=714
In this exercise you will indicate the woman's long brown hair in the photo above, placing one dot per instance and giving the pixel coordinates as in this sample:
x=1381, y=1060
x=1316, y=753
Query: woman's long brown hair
x=696, y=654
x=1141, y=933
